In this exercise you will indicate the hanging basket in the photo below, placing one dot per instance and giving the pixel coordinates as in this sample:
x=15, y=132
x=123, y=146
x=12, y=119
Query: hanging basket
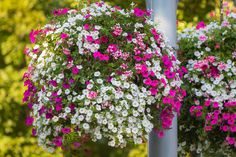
x=208, y=120
x=100, y=73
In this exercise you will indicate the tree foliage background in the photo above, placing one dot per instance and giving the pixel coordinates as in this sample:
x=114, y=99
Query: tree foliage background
x=17, y=19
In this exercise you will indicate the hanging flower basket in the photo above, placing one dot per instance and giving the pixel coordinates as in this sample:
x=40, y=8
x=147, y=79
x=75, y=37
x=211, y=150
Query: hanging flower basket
x=101, y=73
x=208, y=119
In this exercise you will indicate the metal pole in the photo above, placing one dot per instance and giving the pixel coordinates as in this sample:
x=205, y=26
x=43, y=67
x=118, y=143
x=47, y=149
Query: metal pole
x=164, y=11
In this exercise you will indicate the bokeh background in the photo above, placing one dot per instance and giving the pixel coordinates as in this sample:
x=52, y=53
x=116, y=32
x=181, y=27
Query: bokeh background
x=17, y=19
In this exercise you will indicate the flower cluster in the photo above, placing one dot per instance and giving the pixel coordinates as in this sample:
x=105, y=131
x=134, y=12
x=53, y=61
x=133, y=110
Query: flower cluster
x=101, y=73
x=209, y=114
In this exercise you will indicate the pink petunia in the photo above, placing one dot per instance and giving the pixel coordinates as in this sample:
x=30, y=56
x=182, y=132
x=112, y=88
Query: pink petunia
x=172, y=92
x=33, y=34
x=230, y=140
x=96, y=54
x=75, y=70
x=89, y=38
x=64, y=35
x=57, y=141
x=200, y=25
x=29, y=121
x=66, y=130
x=147, y=81
x=153, y=91
x=86, y=26
x=225, y=128
x=138, y=12
x=58, y=107
x=59, y=12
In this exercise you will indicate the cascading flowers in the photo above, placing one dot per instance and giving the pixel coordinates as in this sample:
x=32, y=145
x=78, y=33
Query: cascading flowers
x=100, y=73
x=208, y=119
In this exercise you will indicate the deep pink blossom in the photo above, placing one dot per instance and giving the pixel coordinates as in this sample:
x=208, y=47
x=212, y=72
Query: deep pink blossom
x=33, y=34
x=138, y=12
x=225, y=128
x=75, y=70
x=64, y=36
x=89, y=38
x=66, y=130
x=200, y=25
x=86, y=26
x=58, y=107
x=153, y=91
x=29, y=121
x=59, y=12
x=57, y=141
x=230, y=140
x=172, y=92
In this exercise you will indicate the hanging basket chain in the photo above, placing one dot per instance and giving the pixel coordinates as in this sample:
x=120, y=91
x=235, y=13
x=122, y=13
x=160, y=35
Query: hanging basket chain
x=221, y=11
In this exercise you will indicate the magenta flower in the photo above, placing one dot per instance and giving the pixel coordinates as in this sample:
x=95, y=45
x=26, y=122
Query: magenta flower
x=225, y=128
x=172, y=92
x=138, y=12
x=154, y=83
x=33, y=34
x=96, y=54
x=230, y=140
x=57, y=141
x=148, y=81
x=58, y=107
x=66, y=130
x=207, y=103
x=65, y=86
x=233, y=129
x=112, y=48
x=153, y=91
x=200, y=25
x=64, y=36
x=89, y=38
x=59, y=12
x=104, y=58
x=226, y=116
x=29, y=121
x=75, y=70
x=86, y=26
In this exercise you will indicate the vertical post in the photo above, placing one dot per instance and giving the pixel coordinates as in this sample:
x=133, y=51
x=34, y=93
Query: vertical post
x=164, y=11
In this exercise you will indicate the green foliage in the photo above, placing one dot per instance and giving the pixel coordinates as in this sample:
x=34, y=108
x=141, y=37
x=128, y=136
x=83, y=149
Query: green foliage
x=22, y=147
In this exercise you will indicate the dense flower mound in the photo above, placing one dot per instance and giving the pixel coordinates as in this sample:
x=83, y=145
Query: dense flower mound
x=208, y=122
x=100, y=73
